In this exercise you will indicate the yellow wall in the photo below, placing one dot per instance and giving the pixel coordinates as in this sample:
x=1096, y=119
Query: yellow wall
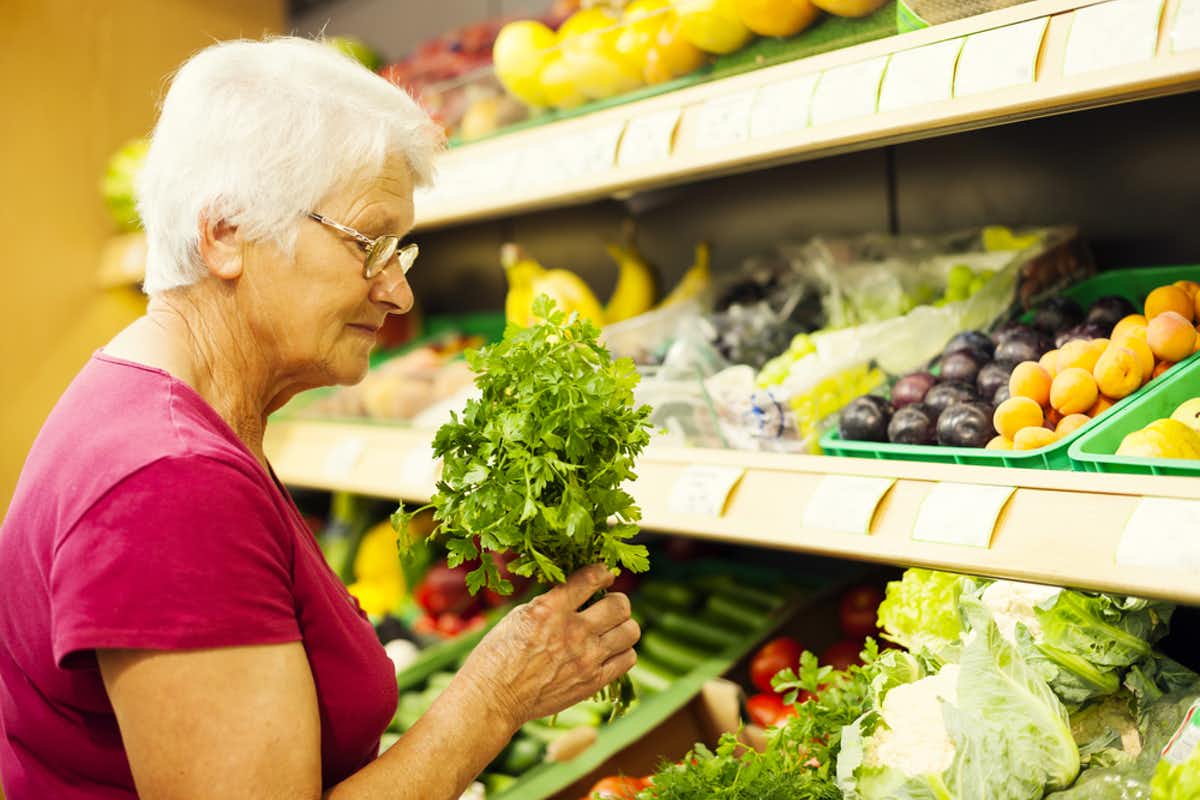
x=80, y=78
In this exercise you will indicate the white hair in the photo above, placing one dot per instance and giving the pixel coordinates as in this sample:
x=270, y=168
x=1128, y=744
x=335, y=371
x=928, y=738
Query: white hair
x=257, y=133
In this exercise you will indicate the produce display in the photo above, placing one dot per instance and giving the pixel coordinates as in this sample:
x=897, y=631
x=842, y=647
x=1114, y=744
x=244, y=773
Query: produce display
x=1177, y=436
x=1034, y=382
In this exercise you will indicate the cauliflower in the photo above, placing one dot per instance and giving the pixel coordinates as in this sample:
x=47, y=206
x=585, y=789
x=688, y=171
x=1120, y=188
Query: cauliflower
x=1012, y=601
x=913, y=736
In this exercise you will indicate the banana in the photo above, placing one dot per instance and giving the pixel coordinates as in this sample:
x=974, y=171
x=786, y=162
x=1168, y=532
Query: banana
x=694, y=282
x=636, y=287
x=527, y=279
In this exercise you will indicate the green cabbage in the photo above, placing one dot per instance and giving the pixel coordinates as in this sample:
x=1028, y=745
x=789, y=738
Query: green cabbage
x=1012, y=739
x=117, y=186
x=920, y=612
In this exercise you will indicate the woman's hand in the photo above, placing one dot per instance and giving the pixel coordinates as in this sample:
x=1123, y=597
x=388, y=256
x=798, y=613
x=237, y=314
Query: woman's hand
x=548, y=655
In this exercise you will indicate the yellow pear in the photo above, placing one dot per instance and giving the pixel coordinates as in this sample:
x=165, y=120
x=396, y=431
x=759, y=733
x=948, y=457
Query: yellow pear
x=1189, y=414
x=713, y=25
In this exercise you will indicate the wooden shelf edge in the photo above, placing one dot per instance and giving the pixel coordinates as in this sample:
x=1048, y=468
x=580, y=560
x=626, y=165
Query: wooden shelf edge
x=1059, y=527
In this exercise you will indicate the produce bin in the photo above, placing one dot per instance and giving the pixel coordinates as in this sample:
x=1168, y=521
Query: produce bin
x=1133, y=284
x=1095, y=450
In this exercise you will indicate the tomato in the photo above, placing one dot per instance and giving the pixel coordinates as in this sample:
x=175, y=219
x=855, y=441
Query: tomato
x=444, y=589
x=777, y=654
x=766, y=709
x=617, y=788
x=842, y=654
x=450, y=624
x=859, y=611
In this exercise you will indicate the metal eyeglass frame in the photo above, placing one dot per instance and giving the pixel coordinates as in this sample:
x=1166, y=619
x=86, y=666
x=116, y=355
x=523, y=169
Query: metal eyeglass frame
x=380, y=250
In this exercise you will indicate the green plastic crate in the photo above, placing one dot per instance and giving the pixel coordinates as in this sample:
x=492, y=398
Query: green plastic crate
x=1095, y=451
x=1134, y=284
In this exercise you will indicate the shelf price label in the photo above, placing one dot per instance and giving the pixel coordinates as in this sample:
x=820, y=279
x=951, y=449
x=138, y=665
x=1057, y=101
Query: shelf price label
x=1000, y=58
x=782, y=107
x=1163, y=534
x=704, y=489
x=724, y=121
x=1112, y=34
x=343, y=457
x=845, y=503
x=648, y=139
x=961, y=514
x=1185, y=33
x=848, y=92
x=920, y=76
x=590, y=151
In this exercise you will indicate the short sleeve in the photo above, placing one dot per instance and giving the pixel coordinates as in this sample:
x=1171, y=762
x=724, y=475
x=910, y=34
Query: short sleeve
x=186, y=553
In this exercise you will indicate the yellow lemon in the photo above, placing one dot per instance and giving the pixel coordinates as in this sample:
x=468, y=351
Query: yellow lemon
x=777, y=17
x=520, y=53
x=713, y=25
x=588, y=42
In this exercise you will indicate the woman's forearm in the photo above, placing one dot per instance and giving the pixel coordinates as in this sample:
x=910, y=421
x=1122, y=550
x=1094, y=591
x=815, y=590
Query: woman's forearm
x=441, y=754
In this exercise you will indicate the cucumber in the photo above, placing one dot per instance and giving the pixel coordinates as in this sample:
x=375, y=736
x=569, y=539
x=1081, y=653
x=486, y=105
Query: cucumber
x=737, y=612
x=650, y=678
x=496, y=782
x=668, y=594
x=676, y=655
x=522, y=754
x=750, y=595
x=695, y=631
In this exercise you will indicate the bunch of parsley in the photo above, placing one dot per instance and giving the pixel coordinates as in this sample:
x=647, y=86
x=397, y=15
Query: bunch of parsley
x=535, y=465
x=800, y=759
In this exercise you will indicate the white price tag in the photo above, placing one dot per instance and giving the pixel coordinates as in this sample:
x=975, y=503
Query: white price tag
x=343, y=457
x=1000, y=58
x=919, y=76
x=1162, y=534
x=845, y=503
x=420, y=468
x=648, y=139
x=961, y=513
x=703, y=489
x=1112, y=34
x=724, y=121
x=1185, y=33
x=783, y=107
x=848, y=92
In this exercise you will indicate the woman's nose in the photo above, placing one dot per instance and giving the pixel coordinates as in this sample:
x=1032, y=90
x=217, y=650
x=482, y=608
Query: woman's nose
x=390, y=288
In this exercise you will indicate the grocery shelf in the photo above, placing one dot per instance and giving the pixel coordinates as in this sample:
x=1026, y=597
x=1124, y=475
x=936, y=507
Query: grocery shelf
x=1058, y=527
x=1035, y=59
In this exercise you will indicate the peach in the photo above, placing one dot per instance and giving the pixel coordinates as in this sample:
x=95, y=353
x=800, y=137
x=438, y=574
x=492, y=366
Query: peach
x=1016, y=413
x=1033, y=438
x=1137, y=344
x=1103, y=403
x=1029, y=379
x=1073, y=391
x=1077, y=353
x=1118, y=373
x=1170, y=298
x=1160, y=368
x=1071, y=423
x=1170, y=336
x=999, y=443
x=1048, y=362
x=1128, y=324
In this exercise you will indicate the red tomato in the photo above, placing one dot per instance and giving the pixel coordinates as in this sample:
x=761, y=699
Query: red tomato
x=444, y=589
x=777, y=654
x=842, y=654
x=617, y=788
x=766, y=709
x=450, y=624
x=859, y=611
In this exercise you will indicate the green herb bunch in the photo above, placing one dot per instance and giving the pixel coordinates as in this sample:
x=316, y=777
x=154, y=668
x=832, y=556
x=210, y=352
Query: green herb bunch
x=535, y=465
x=800, y=759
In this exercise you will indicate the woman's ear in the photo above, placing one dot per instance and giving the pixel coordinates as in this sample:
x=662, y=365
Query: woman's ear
x=220, y=247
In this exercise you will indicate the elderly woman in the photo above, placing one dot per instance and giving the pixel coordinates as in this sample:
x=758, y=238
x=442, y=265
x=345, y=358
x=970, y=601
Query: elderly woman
x=168, y=627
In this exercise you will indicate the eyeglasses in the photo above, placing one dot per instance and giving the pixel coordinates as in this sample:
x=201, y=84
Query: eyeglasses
x=380, y=250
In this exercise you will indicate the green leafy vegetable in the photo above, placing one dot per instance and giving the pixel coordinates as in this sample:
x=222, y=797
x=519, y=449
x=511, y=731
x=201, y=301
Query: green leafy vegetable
x=117, y=185
x=920, y=612
x=535, y=465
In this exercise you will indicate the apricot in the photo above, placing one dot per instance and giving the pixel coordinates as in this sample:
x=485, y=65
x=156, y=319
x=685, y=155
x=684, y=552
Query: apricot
x=1033, y=438
x=1101, y=344
x=1029, y=379
x=1103, y=403
x=1077, y=353
x=1016, y=413
x=1073, y=391
x=999, y=443
x=1191, y=287
x=1071, y=423
x=1127, y=324
x=1170, y=336
x=1160, y=368
x=1170, y=298
x=1137, y=344
x=1048, y=362
x=1118, y=373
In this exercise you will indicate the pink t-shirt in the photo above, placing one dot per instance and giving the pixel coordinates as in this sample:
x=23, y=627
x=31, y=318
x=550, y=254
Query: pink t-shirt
x=141, y=521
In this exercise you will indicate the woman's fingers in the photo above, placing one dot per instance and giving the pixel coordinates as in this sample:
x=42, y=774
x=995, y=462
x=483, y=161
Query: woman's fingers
x=622, y=637
x=584, y=583
x=607, y=613
x=617, y=666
